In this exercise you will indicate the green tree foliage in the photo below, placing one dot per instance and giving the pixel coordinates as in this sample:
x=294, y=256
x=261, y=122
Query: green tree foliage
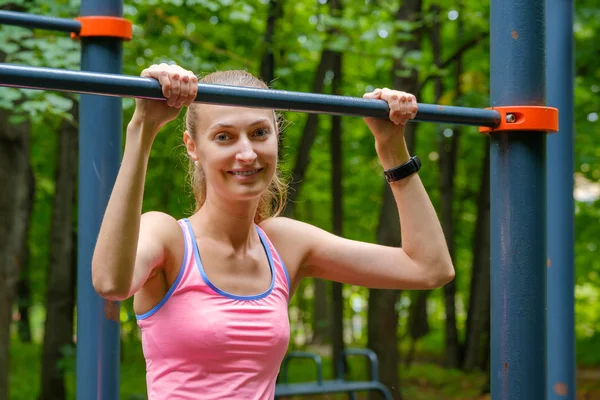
x=208, y=35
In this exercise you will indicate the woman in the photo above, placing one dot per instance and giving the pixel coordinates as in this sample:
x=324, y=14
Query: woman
x=211, y=291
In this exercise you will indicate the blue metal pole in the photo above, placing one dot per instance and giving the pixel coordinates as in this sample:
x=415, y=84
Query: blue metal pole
x=135, y=86
x=39, y=21
x=561, y=277
x=100, y=136
x=518, y=206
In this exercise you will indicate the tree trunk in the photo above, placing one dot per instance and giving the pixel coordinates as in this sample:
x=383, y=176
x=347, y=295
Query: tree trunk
x=23, y=288
x=478, y=318
x=382, y=316
x=60, y=300
x=337, y=298
x=267, y=65
x=15, y=206
x=320, y=314
x=418, y=322
x=15, y=214
x=309, y=133
x=447, y=149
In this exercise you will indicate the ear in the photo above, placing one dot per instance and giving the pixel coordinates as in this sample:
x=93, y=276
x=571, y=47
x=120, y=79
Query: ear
x=190, y=145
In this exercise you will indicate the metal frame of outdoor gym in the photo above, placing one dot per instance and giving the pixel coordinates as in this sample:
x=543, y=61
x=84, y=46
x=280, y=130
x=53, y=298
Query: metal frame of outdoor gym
x=531, y=185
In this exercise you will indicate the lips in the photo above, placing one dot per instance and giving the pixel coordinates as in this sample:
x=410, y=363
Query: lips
x=244, y=173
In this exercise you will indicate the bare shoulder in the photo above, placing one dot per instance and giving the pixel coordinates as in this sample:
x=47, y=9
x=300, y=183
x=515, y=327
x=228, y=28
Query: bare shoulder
x=277, y=225
x=291, y=229
x=291, y=239
x=159, y=224
x=296, y=238
x=279, y=230
x=159, y=230
x=284, y=230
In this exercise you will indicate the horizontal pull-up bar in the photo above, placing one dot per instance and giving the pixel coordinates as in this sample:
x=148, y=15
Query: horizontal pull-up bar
x=40, y=22
x=134, y=86
x=78, y=27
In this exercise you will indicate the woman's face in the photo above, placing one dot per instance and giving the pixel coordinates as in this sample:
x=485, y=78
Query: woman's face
x=236, y=148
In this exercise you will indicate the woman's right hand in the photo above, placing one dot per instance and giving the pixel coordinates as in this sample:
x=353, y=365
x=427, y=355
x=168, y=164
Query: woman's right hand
x=179, y=86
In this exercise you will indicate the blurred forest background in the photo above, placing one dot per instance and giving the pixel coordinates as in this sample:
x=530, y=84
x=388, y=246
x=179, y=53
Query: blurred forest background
x=431, y=344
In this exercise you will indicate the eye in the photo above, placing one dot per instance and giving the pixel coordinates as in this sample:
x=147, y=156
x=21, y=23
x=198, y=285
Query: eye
x=261, y=132
x=221, y=137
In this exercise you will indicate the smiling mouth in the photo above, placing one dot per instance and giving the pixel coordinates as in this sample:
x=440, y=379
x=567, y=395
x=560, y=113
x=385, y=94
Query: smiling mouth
x=245, y=173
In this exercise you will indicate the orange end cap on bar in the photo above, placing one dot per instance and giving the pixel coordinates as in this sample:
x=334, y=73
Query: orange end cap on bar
x=104, y=26
x=524, y=118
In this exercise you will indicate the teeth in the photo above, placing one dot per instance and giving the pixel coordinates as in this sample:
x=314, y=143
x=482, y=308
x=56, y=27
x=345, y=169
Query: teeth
x=245, y=173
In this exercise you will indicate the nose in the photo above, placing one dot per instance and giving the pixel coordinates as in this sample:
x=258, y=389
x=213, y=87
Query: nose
x=245, y=153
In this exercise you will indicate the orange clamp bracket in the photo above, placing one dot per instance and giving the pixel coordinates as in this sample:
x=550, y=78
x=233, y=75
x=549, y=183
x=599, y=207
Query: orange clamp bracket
x=104, y=26
x=524, y=118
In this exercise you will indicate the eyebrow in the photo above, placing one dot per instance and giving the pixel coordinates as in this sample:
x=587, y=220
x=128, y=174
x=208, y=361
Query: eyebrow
x=229, y=126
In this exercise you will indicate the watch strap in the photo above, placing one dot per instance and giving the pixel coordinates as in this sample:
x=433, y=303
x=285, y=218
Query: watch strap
x=402, y=171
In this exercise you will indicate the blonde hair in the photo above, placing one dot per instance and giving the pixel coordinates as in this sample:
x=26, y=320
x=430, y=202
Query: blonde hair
x=272, y=201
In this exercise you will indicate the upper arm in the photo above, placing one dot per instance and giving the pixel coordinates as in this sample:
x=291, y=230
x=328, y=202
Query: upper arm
x=159, y=238
x=328, y=256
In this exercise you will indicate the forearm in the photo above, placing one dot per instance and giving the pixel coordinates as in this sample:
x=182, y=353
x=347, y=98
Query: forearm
x=422, y=236
x=115, y=252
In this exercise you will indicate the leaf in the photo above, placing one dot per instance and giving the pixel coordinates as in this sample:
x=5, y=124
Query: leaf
x=339, y=43
x=8, y=97
x=8, y=47
x=59, y=102
x=237, y=16
x=17, y=119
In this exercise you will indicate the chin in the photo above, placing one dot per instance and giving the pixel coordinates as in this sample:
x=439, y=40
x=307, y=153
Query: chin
x=246, y=192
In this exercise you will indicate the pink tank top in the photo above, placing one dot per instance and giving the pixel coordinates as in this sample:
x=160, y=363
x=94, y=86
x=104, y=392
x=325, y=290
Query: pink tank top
x=203, y=343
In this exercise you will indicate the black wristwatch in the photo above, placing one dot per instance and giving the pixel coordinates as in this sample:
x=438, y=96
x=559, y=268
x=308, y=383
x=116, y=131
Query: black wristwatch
x=402, y=171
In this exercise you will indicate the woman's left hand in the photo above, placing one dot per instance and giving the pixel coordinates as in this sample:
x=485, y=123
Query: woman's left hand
x=403, y=107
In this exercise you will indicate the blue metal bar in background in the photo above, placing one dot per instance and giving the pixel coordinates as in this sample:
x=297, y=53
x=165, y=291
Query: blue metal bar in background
x=560, y=183
x=518, y=205
x=38, y=21
x=135, y=86
x=100, y=134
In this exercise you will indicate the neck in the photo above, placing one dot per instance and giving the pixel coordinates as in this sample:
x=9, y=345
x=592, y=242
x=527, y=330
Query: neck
x=229, y=222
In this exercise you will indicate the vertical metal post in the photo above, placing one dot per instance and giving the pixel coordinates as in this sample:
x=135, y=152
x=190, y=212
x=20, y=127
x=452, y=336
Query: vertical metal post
x=560, y=240
x=518, y=206
x=100, y=130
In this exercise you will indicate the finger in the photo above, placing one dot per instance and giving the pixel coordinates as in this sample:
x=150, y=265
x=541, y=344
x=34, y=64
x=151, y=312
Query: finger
x=393, y=101
x=175, y=88
x=412, y=107
x=387, y=95
x=146, y=73
x=163, y=78
x=408, y=105
x=375, y=94
x=184, y=90
x=188, y=87
x=159, y=72
x=193, y=85
x=415, y=106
